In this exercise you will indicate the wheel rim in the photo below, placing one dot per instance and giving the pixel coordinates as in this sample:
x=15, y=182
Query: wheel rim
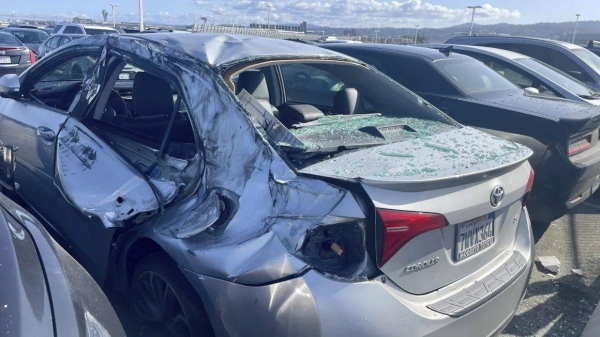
x=156, y=302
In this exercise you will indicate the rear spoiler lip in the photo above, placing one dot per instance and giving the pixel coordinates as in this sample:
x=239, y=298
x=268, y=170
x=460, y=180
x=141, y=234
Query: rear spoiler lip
x=429, y=184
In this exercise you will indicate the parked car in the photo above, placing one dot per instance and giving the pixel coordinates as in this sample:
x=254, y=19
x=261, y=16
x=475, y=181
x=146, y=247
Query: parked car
x=57, y=40
x=570, y=58
x=267, y=187
x=76, y=28
x=528, y=73
x=14, y=56
x=20, y=25
x=31, y=38
x=161, y=30
x=48, y=30
x=45, y=292
x=594, y=47
x=562, y=133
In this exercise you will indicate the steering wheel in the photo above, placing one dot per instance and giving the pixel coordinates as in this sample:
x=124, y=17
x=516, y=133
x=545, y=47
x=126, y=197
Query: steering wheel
x=301, y=78
x=115, y=106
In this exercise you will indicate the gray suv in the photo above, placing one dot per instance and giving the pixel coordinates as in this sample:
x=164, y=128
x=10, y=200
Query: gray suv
x=572, y=59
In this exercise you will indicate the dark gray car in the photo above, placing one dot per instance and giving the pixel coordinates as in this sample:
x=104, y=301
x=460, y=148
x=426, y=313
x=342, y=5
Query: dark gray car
x=45, y=292
x=14, y=56
x=31, y=38
x=56, y=41
x=562, y=133
x=570, y=58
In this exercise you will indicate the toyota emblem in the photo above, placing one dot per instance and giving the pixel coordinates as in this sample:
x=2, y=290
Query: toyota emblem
x=2, y=52
x=497, y=195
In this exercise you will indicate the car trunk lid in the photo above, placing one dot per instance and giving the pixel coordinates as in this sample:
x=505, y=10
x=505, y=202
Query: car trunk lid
x=452, y=175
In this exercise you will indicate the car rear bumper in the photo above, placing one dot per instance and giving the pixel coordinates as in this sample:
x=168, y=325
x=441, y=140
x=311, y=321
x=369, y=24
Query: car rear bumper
x=314, y=305
x=13, y=69
x=561, y=184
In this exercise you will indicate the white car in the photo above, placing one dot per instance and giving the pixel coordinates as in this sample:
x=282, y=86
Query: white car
x=76, y=28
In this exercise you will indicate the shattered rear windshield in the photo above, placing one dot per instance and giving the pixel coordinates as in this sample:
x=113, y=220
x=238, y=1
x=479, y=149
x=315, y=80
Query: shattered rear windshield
x=332, y=132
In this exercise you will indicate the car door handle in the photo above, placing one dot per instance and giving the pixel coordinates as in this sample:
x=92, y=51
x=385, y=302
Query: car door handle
x=46, y=134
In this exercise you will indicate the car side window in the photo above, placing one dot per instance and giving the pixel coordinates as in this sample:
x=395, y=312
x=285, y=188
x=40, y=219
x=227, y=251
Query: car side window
x=569, y=66
x=308, y=84
x=69, y=30
x=64, y=40
x=53, y=43
x=78, y=30
x=56, y=29
x=73, y=70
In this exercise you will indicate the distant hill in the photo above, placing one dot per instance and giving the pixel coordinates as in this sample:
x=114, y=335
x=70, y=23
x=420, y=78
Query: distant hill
x=586, y=30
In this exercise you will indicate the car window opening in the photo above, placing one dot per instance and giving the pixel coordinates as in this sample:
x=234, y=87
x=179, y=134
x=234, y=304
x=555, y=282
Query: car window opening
x=329, y=108
x=146, y=120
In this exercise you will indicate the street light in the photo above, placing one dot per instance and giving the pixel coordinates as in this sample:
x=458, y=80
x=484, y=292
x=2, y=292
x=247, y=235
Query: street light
x=416, y=34
x=472, y=17
x=269, y=7
x=575, y=32
x=141, y=15
x=376, y=32
x=113, y=13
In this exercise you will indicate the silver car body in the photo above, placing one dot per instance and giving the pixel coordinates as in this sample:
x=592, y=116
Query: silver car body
x=251, y=272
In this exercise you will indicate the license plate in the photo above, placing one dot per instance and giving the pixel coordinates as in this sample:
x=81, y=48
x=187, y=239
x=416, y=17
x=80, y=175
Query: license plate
x=4, y=59
x=124, y=76
x=473, y=236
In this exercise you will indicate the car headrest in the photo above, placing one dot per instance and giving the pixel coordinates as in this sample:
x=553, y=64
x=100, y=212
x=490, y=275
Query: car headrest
x=152, y=96
x=254, y=82
x=77, y=72
x=347, y=102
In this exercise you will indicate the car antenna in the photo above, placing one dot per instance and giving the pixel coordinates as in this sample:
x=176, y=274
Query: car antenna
x=447, y=51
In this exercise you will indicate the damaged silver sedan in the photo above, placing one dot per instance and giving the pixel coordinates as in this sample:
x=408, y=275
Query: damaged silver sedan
x=245, y=186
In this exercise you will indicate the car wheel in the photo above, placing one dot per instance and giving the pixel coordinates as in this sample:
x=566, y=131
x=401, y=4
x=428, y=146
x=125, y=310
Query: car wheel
x=164, y=299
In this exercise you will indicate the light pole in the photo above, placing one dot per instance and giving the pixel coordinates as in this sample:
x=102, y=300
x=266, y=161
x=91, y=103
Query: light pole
x=376, y=32
x=416, y=34
x=575, y=32
x=472, y=17
x=141, y=2
x=269, y=7
x=113, y=13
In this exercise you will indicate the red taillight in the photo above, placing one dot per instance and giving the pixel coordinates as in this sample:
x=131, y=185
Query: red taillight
x=580, y=145
x=401, y=227
x=528, y=188
x=31, y=57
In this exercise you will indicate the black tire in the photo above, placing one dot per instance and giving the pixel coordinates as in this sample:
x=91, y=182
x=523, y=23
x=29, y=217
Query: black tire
x=157, y=279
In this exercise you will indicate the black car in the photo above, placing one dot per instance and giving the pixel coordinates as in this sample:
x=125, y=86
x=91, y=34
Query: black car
x=32, y=38
x=562, y=133
x=55, y=41
x=45, y=292
x=14, y=56
x=570, y=58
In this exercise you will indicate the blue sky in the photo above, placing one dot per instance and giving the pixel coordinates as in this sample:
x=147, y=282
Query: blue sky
x=336, y=13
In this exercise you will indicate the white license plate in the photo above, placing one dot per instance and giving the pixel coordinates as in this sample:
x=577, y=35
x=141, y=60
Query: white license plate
x=4, y=59
x=124, y=76
x=473, y=236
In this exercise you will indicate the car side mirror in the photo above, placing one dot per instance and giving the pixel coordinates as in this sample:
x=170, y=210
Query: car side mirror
x=10, y=86
x=532, y=90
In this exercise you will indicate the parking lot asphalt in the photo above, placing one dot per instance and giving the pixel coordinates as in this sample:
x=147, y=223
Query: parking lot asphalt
x=561, y=304
x=554, y=306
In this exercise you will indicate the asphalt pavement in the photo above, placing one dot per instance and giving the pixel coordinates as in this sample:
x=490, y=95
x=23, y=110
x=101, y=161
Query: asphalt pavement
x=561, y=304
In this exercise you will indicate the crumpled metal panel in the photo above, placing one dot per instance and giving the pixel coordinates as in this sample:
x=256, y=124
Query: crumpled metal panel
x=121, y=192
x=219, y=49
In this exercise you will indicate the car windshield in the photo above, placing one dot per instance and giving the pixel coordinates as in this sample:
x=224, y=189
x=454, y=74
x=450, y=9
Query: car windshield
x=9, y=40
x=97, y=31
x=558, y=77
x=588, y=57
x=335, y=107
x=473, y=77
x=31, y=36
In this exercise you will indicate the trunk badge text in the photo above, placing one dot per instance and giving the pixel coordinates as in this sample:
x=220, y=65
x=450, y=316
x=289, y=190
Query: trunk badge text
x=496, y=196
x=421, y=265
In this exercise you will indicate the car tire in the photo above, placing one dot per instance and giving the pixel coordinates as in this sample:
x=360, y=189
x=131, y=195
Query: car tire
x=163, y=298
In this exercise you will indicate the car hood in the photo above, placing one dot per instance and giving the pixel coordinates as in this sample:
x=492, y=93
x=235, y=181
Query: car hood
x=425, y=162
x=575, y=115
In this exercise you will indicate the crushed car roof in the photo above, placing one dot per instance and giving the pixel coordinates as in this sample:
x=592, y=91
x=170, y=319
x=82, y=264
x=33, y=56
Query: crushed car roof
x=220, y=49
